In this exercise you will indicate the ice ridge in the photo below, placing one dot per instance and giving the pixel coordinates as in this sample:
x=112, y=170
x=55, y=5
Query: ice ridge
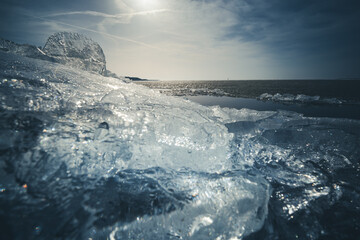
x=71, y=49
x=83, y=156
x=77, y=51
x=117, y=158
x=23, y=50
x=299, y=98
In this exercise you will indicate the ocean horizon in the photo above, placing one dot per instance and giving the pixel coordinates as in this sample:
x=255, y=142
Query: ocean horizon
x=313, y=98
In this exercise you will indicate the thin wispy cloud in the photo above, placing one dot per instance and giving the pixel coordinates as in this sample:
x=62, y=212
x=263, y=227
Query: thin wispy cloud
x=105, y=15
x=46, y=20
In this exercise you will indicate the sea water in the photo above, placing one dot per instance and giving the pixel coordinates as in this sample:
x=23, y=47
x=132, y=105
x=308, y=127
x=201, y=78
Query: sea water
x=313, y=98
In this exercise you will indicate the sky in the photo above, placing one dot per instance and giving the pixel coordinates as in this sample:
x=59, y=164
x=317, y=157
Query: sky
x=202, y=39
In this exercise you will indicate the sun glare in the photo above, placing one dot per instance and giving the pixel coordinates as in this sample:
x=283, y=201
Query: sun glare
x=146, y=1
x=149, y=3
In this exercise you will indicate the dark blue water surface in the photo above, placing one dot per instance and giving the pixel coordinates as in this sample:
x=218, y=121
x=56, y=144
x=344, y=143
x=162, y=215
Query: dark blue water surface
x=309, y=110
x=337, y=98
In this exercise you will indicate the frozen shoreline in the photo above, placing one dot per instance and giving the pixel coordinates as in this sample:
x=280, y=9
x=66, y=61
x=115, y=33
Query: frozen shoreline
x=88, y=156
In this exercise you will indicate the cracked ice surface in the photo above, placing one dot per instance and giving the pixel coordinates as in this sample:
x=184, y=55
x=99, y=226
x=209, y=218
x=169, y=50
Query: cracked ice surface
x=85, y=156
x=81, y=141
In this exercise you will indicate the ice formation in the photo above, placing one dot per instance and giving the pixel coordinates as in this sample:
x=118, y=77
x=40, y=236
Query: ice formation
x=23, y=50
x=62, y=124
x=76, y=50
x=71, y=49
x=300, y=98
x=86, y=156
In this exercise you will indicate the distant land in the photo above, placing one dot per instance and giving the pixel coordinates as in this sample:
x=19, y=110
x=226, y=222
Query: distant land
x=139, y=79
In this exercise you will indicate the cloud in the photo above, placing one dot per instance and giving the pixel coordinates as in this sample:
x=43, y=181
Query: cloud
x=121, y=18
x=45, y=20
x=294, y=24
x=313, y=38
x=122, y=5
x=203, y=39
